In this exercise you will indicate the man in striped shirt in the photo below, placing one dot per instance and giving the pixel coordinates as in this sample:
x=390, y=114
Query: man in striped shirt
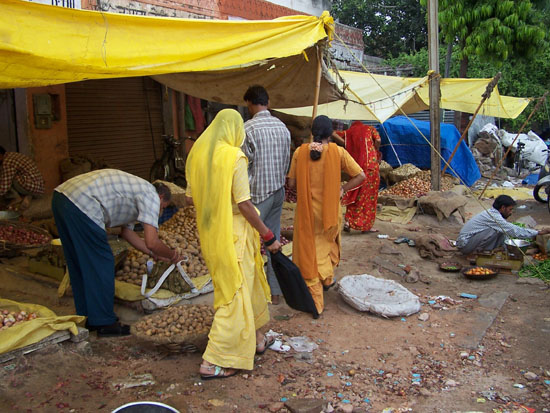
x=267, y=147
x=488, y=229
x=83, y=207
x=20, y=179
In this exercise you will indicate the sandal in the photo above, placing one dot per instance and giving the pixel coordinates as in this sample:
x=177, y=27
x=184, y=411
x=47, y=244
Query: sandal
x=219, y=372
x=328, y=287
x=347, y=228
x=268, y=342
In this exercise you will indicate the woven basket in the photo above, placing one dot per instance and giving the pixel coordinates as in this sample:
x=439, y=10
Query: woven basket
x=175, y=343
x=8, y=248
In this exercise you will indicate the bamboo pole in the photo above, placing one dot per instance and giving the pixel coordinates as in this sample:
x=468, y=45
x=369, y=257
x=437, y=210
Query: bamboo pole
x=317, y=89
x=486, y=95
x=542, y=99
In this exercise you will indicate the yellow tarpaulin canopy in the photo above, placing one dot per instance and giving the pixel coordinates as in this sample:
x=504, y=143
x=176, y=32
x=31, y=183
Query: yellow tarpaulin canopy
x=378, y=97
x=43, y=45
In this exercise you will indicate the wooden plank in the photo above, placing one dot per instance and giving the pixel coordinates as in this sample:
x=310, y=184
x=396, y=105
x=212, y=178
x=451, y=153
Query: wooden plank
x=57, y=337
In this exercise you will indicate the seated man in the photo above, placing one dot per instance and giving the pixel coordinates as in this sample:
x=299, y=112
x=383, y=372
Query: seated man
x=488, y=229
x=20, y=179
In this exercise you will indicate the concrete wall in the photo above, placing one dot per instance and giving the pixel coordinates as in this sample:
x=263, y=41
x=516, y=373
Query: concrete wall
x=313, y=7
x=48, y=146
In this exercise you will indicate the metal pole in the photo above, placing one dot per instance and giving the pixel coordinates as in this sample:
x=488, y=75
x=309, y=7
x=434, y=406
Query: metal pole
x=433, y=60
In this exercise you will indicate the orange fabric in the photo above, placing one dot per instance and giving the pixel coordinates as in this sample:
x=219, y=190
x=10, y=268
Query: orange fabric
x=304, y=254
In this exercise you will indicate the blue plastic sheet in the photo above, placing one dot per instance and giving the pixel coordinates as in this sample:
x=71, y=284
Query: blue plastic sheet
x=411, y=147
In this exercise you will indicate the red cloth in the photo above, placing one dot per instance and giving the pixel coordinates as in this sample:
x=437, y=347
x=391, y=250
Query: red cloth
x=361, y=202
x=196, y=109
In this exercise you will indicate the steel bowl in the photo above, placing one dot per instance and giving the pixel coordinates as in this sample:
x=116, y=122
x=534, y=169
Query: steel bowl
x=517, y=246
x=9, y=215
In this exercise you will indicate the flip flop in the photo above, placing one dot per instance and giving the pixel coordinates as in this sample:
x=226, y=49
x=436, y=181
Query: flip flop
x=219, y=373
x=328, y=287
x=268, y=342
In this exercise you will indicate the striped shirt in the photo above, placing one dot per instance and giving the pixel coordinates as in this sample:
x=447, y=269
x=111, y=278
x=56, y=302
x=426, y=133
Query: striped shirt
x=22, y=169
x=112, y=198
x=267, y=147
x=491, y=218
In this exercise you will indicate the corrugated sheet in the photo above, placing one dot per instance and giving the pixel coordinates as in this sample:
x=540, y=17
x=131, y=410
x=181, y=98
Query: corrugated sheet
x=114, y=120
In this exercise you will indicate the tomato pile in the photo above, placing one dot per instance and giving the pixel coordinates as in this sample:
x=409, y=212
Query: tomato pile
x=11, y=318
x=21, y=236
x=480, y=271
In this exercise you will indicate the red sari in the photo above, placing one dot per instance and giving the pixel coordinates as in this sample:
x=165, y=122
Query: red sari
x=361, y=202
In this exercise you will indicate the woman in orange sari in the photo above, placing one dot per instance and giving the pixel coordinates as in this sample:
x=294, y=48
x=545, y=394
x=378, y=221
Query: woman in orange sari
x=315, y=172
x=362, y=142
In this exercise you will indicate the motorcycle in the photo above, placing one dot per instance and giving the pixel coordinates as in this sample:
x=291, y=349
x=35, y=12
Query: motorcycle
x=541, y=192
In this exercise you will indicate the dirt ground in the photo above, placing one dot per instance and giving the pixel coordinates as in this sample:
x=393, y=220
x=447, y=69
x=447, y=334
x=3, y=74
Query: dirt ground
x=363, y=362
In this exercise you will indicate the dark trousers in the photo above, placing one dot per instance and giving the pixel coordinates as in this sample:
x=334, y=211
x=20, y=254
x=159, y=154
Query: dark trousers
x=89, y=259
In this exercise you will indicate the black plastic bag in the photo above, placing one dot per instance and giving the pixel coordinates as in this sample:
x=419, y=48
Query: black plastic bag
x=293, y=286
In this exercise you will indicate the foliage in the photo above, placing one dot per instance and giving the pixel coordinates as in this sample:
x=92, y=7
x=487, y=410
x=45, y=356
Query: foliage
x=389, y=27
x=520, y=78
x=493, y=30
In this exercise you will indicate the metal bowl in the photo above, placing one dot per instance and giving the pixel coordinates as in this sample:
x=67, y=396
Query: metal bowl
x=517, y=246
x=9, y=215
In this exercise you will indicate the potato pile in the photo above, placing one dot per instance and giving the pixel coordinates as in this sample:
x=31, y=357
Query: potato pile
x=184, y=320
x=179, y=232
x=11, y=318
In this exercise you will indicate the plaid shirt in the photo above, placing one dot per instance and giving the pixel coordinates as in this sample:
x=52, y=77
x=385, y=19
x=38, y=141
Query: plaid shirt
x=23, y=169
x=267, y=147
x=112, y=198
x=491, y=218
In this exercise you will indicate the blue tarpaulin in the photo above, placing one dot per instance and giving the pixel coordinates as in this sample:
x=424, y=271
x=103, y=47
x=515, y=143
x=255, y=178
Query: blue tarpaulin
x=411, y=147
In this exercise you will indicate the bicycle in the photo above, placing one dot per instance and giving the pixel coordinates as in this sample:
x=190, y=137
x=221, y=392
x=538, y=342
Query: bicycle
x=171, y=165
x=519, y=161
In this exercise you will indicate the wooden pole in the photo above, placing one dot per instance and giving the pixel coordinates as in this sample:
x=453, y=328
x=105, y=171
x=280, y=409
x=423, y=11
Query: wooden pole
x=486, y=95
x=542, y=99
x=317, y=89
x=433, y=60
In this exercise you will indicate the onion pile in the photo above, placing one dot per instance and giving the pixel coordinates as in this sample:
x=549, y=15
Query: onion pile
x=21, y=236
x=417, y=186
x=290, y=194
x=11, y=318
x=179, y=320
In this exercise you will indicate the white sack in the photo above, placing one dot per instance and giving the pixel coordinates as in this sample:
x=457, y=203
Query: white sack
x=384, y=297
x=534, y=145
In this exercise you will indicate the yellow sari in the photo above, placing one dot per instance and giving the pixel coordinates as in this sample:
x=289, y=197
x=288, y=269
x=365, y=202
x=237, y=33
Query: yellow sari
x=216, y=173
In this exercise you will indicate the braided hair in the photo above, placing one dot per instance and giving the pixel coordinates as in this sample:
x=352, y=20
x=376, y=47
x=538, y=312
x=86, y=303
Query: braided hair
x=321, y=129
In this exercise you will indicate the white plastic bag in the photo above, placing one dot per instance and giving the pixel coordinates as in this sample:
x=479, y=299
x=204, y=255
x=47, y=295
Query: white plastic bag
x=384, y=297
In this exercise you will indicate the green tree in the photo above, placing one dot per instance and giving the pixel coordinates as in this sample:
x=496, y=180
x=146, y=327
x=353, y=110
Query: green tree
x=389, y=27
x=493, y=30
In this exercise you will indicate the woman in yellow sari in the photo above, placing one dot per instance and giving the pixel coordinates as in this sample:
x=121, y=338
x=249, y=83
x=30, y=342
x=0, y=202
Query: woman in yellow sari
x=315, y=172
x=228, y=226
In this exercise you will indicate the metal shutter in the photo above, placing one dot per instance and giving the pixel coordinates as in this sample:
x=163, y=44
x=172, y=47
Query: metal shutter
x=113, y=120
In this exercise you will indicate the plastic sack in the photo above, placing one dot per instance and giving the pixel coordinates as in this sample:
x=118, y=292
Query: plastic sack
x=302, y=344
x=383, y=297
x=32, y=331
x=534, y=149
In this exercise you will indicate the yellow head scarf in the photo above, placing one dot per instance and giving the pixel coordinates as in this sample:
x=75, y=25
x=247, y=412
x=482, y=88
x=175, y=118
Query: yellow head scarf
x=209, y=170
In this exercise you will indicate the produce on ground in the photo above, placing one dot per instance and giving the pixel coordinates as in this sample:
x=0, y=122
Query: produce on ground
x=290, y=194
x=11, y=318
x=179, y=232
x=540, y=256
x=540, y=270
x=21, y=236
x=177, y=321
x=417, y=186
x=479, y=271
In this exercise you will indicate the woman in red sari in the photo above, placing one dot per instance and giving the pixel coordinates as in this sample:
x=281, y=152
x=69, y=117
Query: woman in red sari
x=362, y=142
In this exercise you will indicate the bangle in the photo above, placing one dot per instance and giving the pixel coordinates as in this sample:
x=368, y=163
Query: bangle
x=268, y=236
x=271, y=241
